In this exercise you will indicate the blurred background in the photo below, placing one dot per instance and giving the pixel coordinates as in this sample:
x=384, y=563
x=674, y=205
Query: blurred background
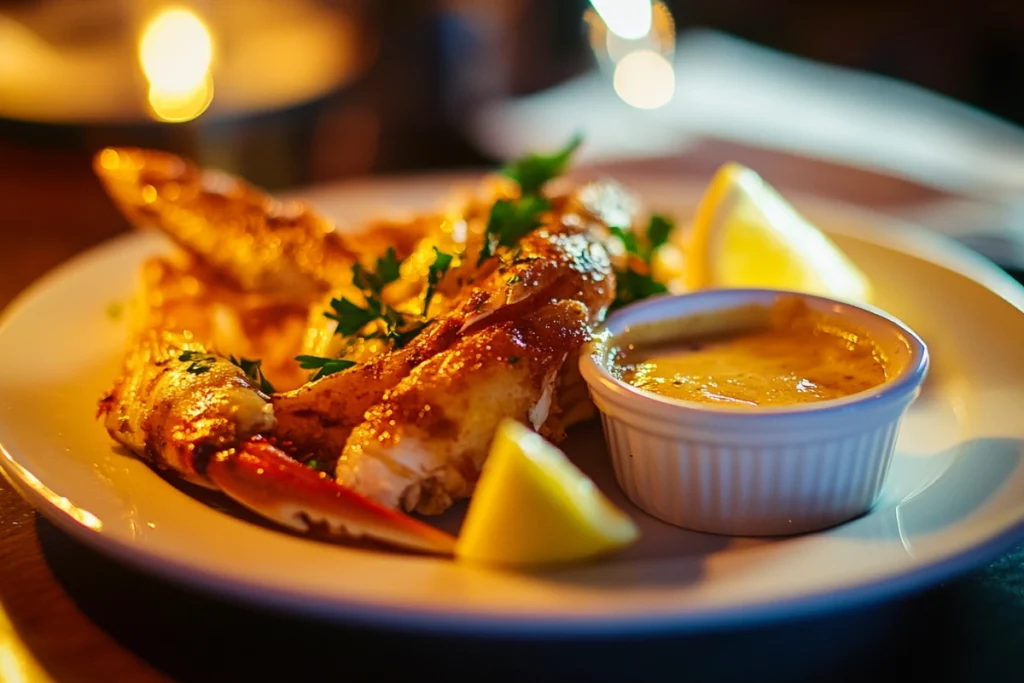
x=904, y=106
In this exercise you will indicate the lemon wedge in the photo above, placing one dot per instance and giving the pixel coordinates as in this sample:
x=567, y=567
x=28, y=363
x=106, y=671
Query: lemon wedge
x=745, y=234
x=532, y=506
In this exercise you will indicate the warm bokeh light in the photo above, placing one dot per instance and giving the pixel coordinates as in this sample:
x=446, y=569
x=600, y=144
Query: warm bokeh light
x=634, y=40
x=11, y=668
x=629, y=19
x=176, y=53
x=644, y=79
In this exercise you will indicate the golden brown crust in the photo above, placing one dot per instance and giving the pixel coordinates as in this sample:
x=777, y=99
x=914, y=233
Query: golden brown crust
x=423, y=445
x=175, y=403
x=249, y=238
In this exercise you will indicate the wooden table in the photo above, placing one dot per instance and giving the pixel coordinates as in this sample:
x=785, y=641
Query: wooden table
x=69, y=614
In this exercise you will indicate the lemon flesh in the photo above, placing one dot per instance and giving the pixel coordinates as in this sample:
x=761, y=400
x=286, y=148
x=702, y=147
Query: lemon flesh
x=745, y=234
x=532, y=506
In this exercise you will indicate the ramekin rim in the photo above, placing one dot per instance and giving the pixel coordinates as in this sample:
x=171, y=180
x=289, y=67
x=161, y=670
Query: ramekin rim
x=909, y=380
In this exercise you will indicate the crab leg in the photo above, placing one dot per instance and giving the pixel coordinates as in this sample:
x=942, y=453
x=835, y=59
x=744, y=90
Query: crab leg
x=201, y=417
x=247, y=237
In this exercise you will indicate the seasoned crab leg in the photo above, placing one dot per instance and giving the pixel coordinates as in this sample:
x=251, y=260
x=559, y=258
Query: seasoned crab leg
x=550, y=266
x=422, y=447
x=256, y=242
x=317, y=418
x=201, y=417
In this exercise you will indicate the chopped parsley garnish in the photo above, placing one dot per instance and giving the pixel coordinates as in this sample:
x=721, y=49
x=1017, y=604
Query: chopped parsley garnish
x=534, y=171
x=628, y=238
x=351, y=317
x=658, y=230
x=384, y=274
x=442, y=262
x=393, y=325
x=199, y=362
x=397, y=326
x=510, y=221
x=323, y=366
x=631, y=284
x=253, y=369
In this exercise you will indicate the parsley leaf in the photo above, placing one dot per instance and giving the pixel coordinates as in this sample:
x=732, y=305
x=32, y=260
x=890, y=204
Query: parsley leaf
x=351, y=317
x=403, y=337
x=253, y=369
x=323, y=366
x=387, y=267
x=632, y=286
x=510, y=220
x=442, y=262
x=658, y=230
x=533, y=171
x=384, y=274
x=199, y=362
x=628, y=238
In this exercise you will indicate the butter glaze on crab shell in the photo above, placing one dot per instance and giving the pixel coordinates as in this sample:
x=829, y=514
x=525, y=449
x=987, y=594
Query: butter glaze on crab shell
x=422, y=447
x=550, y=266
x=175, y=417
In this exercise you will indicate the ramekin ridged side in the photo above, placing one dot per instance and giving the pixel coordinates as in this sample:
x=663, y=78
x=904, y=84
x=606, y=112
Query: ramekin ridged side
x=753, y=484
x=752, y=472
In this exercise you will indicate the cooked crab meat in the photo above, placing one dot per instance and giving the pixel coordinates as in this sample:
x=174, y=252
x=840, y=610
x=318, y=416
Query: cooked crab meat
x=421, y=448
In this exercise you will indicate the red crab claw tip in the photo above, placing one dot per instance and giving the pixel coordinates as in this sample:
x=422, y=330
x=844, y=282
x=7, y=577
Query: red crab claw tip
x=268, y=482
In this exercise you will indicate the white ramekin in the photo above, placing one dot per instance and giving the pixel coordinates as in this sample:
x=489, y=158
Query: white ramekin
x=761, y=471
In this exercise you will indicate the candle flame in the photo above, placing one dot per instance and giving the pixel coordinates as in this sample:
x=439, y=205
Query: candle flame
x=176, y=53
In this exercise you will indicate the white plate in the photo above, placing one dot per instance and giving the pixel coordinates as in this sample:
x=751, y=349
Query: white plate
x=954, y=498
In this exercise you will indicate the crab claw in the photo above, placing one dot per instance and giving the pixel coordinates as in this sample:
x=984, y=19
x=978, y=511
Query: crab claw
x=264, y=479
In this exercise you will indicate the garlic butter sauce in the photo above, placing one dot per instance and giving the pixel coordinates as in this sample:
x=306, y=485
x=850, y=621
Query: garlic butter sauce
x=781, y=355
